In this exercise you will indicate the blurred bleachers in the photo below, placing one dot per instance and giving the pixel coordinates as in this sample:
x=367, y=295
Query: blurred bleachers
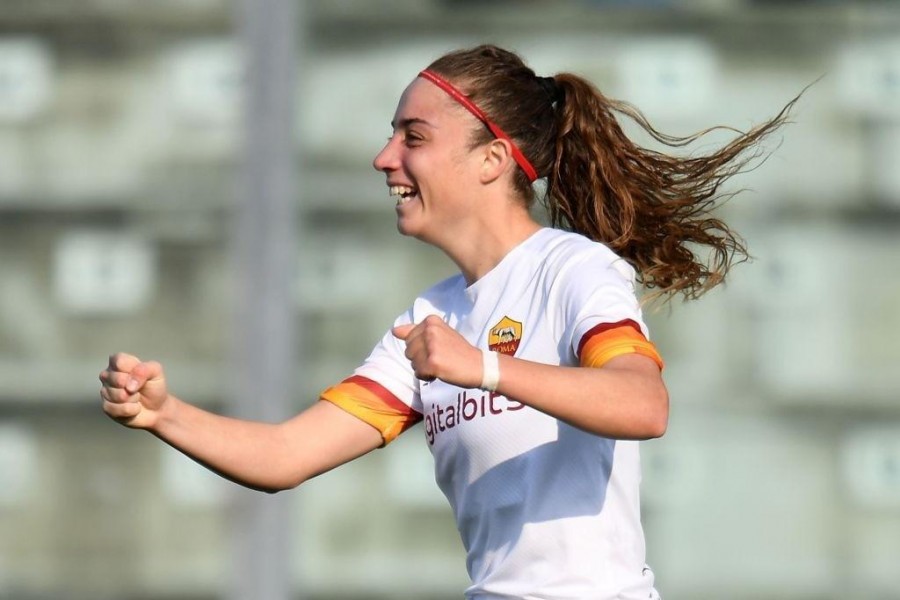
x=120, y=133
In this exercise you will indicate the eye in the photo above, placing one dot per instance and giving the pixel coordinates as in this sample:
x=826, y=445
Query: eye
x=413, y=139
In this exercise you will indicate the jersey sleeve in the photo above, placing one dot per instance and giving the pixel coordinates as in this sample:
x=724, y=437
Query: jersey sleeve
x=603, y=315
x=609, y=340
x=383, y=391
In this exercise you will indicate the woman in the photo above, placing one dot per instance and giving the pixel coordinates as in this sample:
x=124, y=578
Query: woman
x=531, y=369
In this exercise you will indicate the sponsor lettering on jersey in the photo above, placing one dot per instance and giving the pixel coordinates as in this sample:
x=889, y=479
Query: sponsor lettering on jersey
x=505, y=336
x=470, y=405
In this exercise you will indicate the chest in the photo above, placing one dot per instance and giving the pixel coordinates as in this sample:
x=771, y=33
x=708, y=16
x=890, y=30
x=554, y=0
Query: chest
x=470, y=431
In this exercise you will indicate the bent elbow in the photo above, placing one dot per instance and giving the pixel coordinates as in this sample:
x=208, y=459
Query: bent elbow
x=291, y=484
x=274, y=489
x=657, y=417
x=657, y=429
x=659, y=422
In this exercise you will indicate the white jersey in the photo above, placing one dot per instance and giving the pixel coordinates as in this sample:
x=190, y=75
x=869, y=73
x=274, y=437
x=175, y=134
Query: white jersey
x=545, y=510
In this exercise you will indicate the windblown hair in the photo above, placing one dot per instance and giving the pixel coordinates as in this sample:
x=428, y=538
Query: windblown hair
x=651, y=208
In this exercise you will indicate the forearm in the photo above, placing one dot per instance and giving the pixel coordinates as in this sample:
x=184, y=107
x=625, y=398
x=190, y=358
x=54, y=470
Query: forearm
x=624, y=400
x=262, y=456
x=252, y=454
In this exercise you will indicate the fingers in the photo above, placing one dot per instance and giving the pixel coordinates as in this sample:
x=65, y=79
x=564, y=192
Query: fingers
x=114, y=379
x=123, y=362
x=411, y=331
x=402, y=331
x=125, y=377
x=124, y=412
x=423, y=346
x=141, y=374
x=129, y=373
x=119, y=404
x=115, y=396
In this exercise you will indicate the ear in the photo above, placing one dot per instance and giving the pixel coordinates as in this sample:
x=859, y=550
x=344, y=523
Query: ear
x=497, y=160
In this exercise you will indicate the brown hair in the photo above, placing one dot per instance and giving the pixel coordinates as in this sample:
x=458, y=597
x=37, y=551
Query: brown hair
x=649, y=207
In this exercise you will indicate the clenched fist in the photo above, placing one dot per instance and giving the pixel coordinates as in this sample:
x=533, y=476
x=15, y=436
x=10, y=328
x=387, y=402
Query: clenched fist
x=436, y=351
x=133, y=392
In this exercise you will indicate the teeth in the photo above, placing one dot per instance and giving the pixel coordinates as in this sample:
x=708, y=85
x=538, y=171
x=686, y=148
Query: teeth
x=401, y=190
x=403, y=193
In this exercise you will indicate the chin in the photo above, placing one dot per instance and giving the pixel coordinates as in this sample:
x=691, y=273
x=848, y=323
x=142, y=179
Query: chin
x=411, y=230
x=408, y=232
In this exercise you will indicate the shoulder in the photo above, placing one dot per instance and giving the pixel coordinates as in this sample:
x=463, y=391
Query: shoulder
x=572, y=256
x=451, y=286
x=441, y=297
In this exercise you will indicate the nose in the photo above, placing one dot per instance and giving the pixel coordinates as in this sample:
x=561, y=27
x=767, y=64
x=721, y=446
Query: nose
x=387, y=159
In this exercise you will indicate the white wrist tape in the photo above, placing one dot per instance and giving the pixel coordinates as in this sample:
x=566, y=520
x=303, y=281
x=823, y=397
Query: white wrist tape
x=490, y=378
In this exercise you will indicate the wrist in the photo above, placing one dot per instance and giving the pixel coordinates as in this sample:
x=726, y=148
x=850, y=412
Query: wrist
x=164, y=416
x=490, y=371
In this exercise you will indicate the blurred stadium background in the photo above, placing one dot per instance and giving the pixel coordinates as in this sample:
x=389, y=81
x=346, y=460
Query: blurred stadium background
x=122, y=143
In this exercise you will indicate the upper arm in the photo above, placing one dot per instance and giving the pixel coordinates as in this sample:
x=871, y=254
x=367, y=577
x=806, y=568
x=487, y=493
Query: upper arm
x=638, y=364
x=594, y=288
x=651, y=398
x=324, y=436
x=601, y=315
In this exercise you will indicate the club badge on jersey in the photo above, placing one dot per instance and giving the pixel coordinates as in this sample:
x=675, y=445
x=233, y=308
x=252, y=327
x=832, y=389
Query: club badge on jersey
x=505, y=336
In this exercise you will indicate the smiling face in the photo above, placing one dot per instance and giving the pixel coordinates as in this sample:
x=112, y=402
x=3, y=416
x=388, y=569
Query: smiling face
x=431, y=169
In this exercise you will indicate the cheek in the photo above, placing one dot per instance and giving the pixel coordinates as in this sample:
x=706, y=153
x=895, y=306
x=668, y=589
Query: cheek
x=433, y=161
x=466, y=164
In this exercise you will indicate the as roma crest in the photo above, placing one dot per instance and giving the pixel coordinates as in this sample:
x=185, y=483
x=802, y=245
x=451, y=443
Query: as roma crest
x=504, y=337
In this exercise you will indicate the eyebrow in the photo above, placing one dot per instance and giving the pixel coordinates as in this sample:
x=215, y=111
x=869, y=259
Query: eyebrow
x=404, y=123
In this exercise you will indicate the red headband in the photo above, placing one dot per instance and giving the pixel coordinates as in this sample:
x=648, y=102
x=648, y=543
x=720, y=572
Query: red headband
x=479, y=114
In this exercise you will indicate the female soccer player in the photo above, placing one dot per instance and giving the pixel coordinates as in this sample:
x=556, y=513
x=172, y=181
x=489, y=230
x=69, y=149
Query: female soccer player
x=531, y=370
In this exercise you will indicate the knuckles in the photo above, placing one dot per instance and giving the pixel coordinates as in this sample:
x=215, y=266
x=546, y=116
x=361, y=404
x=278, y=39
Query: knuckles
x=152, y=366
x=118, y=396
x=122, y=411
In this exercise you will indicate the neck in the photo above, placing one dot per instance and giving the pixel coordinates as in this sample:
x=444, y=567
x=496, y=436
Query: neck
x=478, y=253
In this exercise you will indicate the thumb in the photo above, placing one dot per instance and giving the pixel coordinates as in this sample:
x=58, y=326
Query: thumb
x=402, y=331
x=141, y=374
x=123, y=362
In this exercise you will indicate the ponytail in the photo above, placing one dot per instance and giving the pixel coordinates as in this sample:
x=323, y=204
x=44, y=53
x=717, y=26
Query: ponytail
x=650, y=208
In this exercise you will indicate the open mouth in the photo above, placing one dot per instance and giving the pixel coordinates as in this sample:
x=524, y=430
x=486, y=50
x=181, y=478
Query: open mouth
x=403, y=193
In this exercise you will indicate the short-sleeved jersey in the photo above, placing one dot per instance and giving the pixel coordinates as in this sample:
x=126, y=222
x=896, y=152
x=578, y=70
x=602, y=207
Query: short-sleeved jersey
x=545, y=510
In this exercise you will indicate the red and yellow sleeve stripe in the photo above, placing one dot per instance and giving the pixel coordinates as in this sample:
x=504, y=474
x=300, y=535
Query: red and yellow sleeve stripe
x=371, y=402
x=609, y=340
